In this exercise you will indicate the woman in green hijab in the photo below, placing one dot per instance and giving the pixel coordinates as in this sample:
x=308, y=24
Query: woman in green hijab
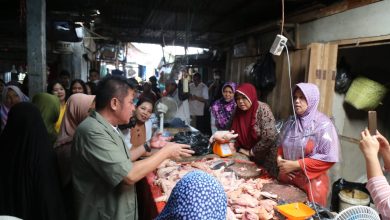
x=49, y=106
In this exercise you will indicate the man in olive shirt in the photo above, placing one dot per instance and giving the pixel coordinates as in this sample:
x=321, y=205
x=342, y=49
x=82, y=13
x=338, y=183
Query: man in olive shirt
x=103, y=172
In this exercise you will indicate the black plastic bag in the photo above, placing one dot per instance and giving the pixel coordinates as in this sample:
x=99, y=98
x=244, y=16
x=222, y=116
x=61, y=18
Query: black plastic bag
x=198, y=142
x=341, y=184
x=263, y=74
x=344, y=77
x=322, y=212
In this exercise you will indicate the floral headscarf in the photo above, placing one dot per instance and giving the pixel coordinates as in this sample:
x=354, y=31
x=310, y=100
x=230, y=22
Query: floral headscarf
x=223, y=110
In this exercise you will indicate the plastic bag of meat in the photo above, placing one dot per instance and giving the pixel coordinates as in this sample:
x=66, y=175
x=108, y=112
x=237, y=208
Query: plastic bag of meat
x=198, y=142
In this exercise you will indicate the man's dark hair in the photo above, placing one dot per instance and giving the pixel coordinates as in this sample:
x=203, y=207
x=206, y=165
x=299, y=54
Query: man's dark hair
x=133, y=82
x=111, y=87
x=152, y=79
x=198, y=75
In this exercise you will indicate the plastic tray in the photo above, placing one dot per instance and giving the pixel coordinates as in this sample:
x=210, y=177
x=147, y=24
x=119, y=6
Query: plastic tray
x=296, y=211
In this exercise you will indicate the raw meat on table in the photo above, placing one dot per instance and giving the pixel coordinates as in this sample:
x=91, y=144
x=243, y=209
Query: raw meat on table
x=245, y=196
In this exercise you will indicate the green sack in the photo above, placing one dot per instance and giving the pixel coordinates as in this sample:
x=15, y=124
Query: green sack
x=365, y=94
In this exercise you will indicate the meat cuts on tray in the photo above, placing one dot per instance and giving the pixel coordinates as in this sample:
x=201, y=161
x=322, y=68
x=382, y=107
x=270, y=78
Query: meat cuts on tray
x=246, y=200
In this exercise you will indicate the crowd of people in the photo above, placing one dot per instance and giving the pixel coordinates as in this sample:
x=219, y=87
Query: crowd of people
x=78, y=150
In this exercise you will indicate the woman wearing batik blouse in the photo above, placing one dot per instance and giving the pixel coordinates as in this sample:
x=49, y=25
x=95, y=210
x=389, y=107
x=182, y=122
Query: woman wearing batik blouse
x=255, y=125
x=223, y=108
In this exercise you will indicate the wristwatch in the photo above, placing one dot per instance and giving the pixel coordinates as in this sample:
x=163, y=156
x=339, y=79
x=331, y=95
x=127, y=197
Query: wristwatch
x=147, y=146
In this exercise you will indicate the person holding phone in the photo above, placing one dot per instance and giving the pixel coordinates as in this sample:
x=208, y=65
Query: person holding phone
x=377, y=185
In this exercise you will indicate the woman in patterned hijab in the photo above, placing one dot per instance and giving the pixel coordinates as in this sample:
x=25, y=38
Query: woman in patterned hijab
x=223, y=108
x=254, y=123
x=196, y=196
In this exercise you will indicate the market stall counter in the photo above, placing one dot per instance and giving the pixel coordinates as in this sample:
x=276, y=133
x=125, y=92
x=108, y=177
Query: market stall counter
x=250, y=189
x=247, y=194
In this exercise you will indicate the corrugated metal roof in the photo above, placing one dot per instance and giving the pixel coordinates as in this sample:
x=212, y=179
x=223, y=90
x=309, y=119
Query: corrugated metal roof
x=192, y=22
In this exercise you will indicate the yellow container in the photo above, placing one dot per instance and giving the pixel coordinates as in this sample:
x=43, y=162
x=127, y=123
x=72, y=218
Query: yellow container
x=296, y=211
x=352, y=197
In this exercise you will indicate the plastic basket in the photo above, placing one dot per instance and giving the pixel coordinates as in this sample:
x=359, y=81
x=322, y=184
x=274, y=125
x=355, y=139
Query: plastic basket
x=365, y=94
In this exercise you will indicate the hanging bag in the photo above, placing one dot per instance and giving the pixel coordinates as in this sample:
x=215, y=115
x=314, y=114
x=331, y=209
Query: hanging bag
x=263, y=74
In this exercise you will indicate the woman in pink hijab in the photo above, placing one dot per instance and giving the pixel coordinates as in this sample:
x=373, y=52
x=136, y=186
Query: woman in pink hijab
x=77, y=109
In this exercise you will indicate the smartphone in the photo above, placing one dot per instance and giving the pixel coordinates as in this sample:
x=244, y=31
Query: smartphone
x=372, y=122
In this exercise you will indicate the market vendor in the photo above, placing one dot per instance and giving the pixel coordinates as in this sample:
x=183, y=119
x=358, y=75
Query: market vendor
x=309, y=146
x=255, y=125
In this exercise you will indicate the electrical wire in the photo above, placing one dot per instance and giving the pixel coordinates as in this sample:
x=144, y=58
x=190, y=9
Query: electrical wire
x=282, y=26
x=295, y=121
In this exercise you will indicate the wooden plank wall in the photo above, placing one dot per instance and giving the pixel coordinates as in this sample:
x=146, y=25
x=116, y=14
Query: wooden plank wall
x=237, y=67
x=279, y=99
x=322, y=72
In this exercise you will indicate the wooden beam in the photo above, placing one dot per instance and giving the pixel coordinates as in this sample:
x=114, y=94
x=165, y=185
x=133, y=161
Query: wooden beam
x=362, y=40
x=290, y=39
x=336, y=8
x=261, y=28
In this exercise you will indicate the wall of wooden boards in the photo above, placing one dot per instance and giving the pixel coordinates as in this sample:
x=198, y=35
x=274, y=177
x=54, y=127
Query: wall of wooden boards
x=316, y=64
x=237, y=69
x=279, y=99
x=322, y=72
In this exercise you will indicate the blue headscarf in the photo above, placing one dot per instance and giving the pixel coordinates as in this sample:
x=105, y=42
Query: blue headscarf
x=196, y=196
